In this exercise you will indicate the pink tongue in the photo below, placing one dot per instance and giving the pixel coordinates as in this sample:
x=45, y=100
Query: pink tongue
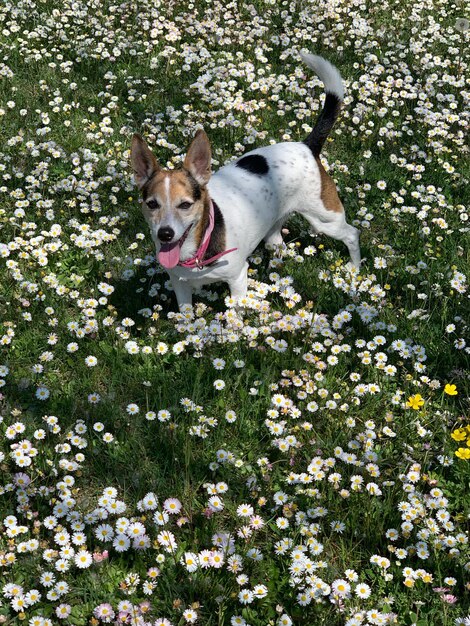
x=169, y=254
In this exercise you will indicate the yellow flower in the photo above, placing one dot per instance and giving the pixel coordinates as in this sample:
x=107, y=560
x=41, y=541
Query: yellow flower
x=450, y=390
x=463, y=453
x=415, y=402
x=460, y=434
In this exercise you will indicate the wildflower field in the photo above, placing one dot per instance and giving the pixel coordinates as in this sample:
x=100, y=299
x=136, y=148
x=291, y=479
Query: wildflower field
x=302, y=458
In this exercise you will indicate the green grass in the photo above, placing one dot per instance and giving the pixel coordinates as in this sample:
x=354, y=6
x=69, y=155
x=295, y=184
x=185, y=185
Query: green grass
x=412, y=299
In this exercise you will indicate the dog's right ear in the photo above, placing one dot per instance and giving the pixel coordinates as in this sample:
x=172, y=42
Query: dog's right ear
x=144, y=164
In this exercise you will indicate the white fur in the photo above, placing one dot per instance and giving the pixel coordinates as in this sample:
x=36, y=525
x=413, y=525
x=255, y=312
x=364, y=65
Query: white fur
x=326, y=72
x=167, y=192
x=254, y=208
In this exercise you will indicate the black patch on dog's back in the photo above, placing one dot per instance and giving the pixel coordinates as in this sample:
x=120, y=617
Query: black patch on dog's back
x=254, y=163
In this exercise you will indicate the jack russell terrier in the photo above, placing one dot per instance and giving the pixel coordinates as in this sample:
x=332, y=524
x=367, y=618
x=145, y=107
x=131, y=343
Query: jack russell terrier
x=205, y=226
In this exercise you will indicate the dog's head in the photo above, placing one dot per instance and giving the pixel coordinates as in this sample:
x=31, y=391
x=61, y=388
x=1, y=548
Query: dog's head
x=174, y=201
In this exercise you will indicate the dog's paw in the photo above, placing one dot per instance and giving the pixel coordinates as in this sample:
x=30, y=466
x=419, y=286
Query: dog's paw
x=351, y=267
x=277, y=249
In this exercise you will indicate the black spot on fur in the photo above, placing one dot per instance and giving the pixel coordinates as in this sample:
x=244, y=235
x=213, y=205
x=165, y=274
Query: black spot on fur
x=325, y=121
x=254, y=163
x=195, y=186
x=217, y=242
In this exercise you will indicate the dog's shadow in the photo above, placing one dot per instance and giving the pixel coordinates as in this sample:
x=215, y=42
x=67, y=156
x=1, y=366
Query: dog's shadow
x=133, y=295
x=141, y=291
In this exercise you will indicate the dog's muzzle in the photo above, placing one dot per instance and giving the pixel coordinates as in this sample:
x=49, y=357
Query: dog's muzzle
x=165, y=234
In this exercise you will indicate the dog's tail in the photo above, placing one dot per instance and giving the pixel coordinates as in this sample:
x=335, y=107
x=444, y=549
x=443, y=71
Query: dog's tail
x=334, y=97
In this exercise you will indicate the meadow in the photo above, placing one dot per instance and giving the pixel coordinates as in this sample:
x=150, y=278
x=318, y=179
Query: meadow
x=301, y=458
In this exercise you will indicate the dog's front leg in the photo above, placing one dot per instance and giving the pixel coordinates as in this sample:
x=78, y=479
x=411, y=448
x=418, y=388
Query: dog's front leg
x=183, y=291
x=239, y=284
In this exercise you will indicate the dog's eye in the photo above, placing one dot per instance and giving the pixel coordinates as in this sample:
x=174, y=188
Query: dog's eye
x=152, y=205
x=184, y=206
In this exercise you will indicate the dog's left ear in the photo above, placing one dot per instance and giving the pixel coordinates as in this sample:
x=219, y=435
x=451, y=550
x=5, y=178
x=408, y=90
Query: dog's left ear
x=143, y=161
x=198, y=158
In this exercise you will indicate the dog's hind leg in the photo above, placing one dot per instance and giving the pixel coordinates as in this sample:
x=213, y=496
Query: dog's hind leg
x=334, y=225
x=274, y=239
x=351, y=239
x=274, y=236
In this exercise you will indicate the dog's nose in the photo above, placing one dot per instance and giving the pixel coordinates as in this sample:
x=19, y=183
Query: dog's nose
x=166, y=234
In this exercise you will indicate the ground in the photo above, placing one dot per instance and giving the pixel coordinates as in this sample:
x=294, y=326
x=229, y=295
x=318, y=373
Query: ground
x=301, y=458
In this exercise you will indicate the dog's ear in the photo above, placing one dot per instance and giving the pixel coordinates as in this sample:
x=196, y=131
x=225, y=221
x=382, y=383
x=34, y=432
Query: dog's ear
x=198, y=158
x=143, y=162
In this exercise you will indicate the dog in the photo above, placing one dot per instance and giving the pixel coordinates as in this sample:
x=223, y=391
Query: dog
x=206, y=225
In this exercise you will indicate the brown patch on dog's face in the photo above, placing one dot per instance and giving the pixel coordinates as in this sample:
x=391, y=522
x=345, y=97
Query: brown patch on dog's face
x=329, y=193
x=174, y=200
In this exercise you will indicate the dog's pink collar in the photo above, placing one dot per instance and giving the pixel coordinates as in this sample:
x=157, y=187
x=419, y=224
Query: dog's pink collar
x=197, y=260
